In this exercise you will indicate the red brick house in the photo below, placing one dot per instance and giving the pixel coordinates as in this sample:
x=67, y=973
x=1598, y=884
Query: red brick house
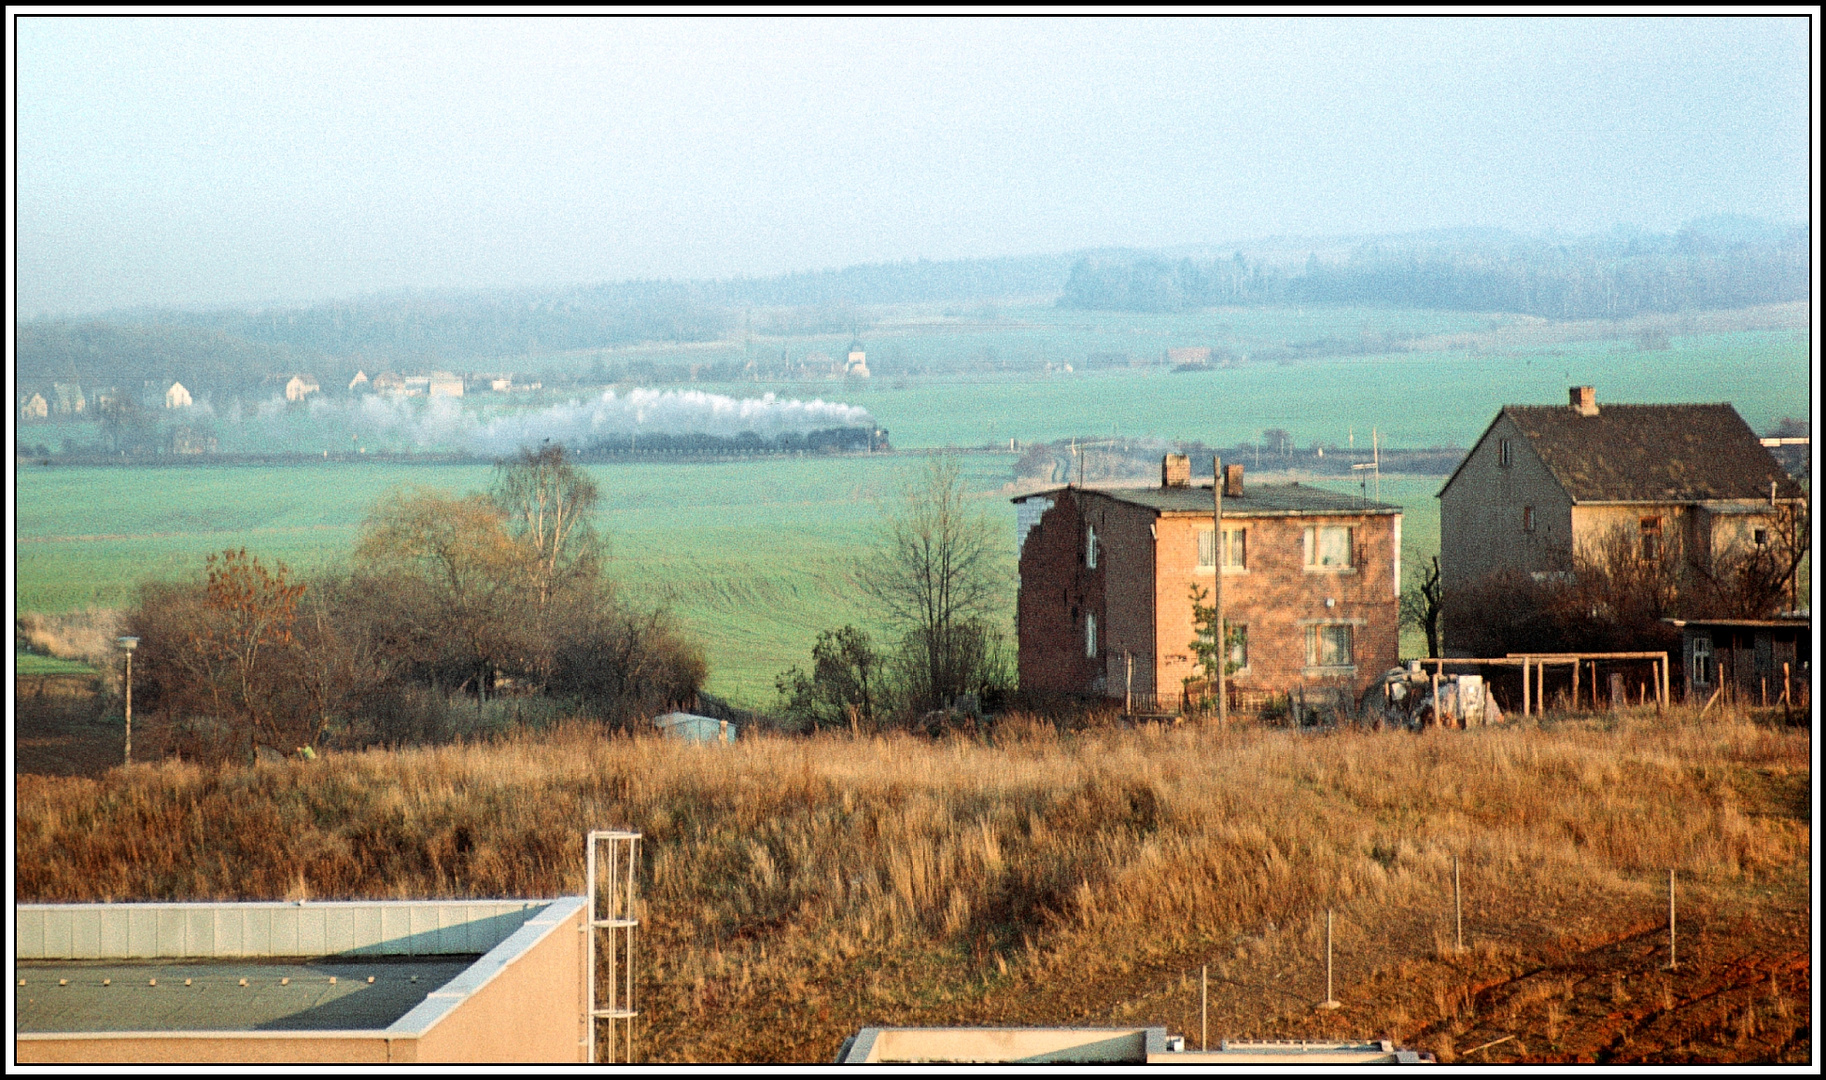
x=1311, y=577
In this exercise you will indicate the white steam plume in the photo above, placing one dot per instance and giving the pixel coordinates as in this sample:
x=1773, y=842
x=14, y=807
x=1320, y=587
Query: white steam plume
x=444, y=422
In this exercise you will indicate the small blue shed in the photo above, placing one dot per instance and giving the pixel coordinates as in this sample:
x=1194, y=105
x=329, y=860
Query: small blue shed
x=693, y=728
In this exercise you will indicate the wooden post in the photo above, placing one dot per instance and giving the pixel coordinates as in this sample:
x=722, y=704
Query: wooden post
x=1458, y=905
x=1204, y=1006
x=1128, y=682
x=1540, y=688
x=1662, y=702
x=1217, y=588
x=1787, y=700
x=1672, y=962
x=1438, y=713
x=1331, y=1000
x=1525, y=686
x=130, y=708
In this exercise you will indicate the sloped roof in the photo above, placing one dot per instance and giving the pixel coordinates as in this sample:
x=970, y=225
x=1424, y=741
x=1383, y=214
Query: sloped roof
x=1651, y=453
x=1257, y=500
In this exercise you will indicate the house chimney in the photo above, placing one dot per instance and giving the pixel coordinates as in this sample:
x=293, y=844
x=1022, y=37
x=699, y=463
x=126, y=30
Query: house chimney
x=1584, y=400
x=1233, y=481
x=1175, y=471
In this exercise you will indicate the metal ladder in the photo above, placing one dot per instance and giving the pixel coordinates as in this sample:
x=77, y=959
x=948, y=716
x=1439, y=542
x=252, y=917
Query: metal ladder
x=612, y=909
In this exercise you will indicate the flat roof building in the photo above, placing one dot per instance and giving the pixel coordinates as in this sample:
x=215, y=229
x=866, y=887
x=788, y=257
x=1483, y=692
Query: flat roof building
x=352, y=981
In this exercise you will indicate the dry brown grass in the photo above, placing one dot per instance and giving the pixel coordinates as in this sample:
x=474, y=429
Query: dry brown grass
x=799, y=889
x=87, y=635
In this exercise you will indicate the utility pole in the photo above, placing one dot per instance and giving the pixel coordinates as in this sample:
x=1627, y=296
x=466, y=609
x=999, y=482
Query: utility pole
x=129, y=644
x=1217, y=589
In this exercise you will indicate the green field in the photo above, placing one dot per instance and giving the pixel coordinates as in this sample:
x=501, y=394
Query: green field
x=756, y=555
x=25, y=663
x=1413, y=399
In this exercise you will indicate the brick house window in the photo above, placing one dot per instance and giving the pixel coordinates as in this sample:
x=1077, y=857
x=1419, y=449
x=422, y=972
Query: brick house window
x=1239, y=645
x=1761, y=536
x=1090, y=634
x=1651, y=538
x=1504, y=457
x=1328, y=645
x=1090, y=547
x=1328, y=547
x=1527, y=519
x=1236, y=549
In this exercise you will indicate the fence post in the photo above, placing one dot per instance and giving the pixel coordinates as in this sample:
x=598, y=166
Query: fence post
x=1672, y=962
x=1458, y=905
x=1204, y=1006
x=1331, y=1001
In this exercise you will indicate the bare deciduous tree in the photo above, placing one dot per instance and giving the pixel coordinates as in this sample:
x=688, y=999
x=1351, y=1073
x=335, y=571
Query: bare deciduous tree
x=549, y=503
x=1420, y=606
x=935, y=577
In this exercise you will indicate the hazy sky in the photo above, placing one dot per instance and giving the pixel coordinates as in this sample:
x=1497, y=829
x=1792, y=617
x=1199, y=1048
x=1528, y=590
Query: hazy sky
x=261, y=160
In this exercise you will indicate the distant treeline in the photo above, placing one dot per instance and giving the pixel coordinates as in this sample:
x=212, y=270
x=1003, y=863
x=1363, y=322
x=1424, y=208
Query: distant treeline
x=1589, y=278
x=237, y=352
x=451, y=328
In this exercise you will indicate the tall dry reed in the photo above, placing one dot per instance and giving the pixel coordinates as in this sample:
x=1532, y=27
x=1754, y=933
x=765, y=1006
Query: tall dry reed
x=820, y=884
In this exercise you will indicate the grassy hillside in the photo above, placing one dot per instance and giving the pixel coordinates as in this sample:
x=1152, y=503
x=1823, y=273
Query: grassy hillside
x=796, y=890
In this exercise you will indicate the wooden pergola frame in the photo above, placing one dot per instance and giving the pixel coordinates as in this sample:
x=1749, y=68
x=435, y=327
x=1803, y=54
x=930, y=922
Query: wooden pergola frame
x=1539, y=662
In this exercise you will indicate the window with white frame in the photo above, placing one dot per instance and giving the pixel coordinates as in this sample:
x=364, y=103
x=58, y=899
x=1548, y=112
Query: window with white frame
x=1328, y=645
x=1527, y=519
x=1090, y=546
x=1702, y=661
x=1090, y=634
x=1239, y=645
x=1504, y=457
x=1328, y=547
x=1207, y=550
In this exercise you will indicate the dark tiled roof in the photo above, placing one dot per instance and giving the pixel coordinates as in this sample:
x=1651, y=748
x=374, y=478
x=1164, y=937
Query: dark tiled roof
x=1256, y=500
x=1651, y=453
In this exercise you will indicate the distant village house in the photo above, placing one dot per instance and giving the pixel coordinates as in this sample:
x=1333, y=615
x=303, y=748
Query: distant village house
x=34, y=408
x=299, y=387
x=1311, y=588
x=176, y=397
x=444, y=384
x=858, y=363
x=359, y=384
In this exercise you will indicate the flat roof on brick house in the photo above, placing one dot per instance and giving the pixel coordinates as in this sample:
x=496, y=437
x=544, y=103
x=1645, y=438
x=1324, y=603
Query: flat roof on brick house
x=1258, y=500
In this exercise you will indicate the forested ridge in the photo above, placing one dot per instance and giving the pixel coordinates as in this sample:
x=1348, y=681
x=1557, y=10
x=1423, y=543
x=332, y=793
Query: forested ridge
x=1604, y=277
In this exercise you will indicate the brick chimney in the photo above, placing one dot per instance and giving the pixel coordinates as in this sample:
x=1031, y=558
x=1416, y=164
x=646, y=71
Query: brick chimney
x=1175, y=471
x=1584, y=400
x=1233, y=481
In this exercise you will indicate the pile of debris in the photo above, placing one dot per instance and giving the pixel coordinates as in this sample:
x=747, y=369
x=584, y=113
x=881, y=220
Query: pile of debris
x=1415, y=699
